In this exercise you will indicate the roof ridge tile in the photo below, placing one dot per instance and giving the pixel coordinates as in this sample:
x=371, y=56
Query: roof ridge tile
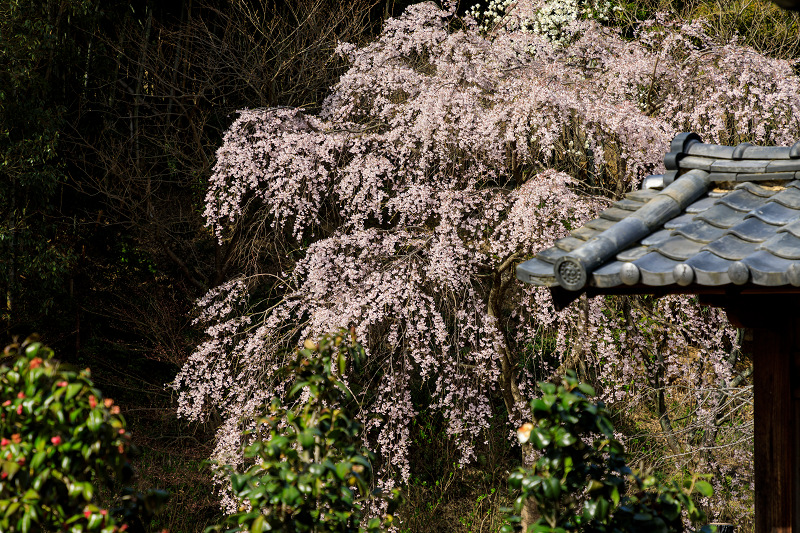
x=719, y=215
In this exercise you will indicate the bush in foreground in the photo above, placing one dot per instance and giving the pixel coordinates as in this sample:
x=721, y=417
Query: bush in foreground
x=311, y=472
x=581, y=480
x=59, y=438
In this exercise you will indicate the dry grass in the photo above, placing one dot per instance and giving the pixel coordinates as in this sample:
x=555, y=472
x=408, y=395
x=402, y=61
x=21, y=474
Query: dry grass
x=757, y=23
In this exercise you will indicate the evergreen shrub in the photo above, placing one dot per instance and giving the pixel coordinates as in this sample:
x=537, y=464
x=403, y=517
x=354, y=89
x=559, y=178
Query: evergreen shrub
x=581, y=480
x=60, y=439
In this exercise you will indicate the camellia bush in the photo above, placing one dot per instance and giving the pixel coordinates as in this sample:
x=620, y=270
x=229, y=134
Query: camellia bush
x=446, y=154
x=311, y=472
x=581, y=480
x=59, y=441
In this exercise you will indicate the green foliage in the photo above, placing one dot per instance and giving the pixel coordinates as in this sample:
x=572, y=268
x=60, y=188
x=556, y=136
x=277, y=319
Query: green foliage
x=581, y=481
x=311, y=472
x=58, y=439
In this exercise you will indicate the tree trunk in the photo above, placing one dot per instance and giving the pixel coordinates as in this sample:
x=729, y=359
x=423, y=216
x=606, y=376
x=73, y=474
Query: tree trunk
x=512, y=397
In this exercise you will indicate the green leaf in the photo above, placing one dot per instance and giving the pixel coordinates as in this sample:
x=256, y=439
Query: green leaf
x=12, y=508
x=259, y=525
x=95, y=419
x=40, y=480
x=529, y=483
x=88, y=491
x=342, y=469
x=74, y=490
x=57, y=409
x=704, y=488
x=24, y=524
x=342, y=387
x=73, y=389
x=539, y=406
x=360, y=459
x=540, y=438
x=37, y=460
x=605, y=427
x=95, y=520
x=547, y=388
x=568, y=399
x=568, y=465
x=10, y=468
x=306, y=439
x=564, y=438
x=32, y=349
x=290, y=495
x=551, y=487
x=297, y=387
x=602, y=508
x=238, y=481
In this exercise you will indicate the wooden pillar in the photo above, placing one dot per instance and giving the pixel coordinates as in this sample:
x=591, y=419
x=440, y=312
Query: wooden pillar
x=777, y=428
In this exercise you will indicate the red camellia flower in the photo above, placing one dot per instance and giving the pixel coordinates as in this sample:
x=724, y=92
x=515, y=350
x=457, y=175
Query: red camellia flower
x=6, y=403
x=36, y=362
x=87, y=513
x=19, y=409
x=20, y=395
x=56, y=440
x=92, y=401
x=16, y=438
x=4, y=442
x=62, y=383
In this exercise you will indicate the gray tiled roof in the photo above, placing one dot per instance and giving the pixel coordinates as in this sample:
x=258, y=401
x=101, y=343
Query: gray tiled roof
x=720, y=216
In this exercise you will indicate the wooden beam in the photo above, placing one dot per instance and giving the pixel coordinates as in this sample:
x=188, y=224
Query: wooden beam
x=777, y=427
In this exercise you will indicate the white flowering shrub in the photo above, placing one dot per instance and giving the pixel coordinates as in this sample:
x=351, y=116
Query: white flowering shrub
x=550, y=19
x=440, y=160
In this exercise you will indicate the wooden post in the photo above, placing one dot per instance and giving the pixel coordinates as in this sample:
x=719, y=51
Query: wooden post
x=777, y=427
